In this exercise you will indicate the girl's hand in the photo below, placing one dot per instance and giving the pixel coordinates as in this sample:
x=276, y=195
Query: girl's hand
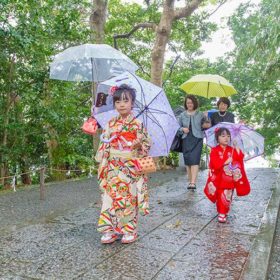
x=234, y=143
x=186, y=130
x=206, y=124
x=136, y=144
x=229, y=160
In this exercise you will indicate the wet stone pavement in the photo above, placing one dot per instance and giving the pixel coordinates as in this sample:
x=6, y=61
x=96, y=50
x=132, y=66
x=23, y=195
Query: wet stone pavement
x=274, y=267
x=180, y=239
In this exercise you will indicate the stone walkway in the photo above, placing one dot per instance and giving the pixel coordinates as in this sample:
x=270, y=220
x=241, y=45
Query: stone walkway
x=274, y=268
x=180, y=239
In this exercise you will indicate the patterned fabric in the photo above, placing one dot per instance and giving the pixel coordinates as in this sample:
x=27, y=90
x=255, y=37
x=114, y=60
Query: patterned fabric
x=224, y=176
x=224, y=199
x=124, y=192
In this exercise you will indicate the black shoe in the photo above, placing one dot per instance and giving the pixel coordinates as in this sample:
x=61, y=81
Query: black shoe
x=191, y=186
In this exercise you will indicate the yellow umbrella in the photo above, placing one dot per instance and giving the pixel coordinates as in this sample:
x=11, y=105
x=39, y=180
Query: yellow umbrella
x=208, y=86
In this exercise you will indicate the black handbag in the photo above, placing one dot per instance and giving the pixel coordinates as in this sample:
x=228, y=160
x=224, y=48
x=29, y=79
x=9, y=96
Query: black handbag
x=177, y=144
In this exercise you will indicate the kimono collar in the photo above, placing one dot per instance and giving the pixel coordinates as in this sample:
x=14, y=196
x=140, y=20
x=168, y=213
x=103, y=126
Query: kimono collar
x=227, y=148
x=126, y=120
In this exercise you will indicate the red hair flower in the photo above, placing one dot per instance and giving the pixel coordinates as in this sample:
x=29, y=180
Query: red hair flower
x=216, y=130
x=113, y=89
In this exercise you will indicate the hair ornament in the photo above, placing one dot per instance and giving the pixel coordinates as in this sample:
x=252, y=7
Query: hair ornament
x=113, y=89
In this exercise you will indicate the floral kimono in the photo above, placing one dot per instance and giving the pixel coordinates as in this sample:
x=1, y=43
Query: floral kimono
x=124, y=191
x=224, y=178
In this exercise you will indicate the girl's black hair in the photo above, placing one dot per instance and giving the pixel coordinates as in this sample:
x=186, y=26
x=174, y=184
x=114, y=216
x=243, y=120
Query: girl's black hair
x=124, y=91
x=220, y=131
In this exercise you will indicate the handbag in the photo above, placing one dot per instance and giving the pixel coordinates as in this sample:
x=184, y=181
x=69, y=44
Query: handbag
x=145, y=165
x=90, y=126
x=177, y=144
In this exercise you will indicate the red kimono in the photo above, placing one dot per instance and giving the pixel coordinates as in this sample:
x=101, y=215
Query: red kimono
x=224, y=178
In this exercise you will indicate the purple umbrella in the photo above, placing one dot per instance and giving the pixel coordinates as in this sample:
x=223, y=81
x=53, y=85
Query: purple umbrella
x=245, y=137
x=151, y=107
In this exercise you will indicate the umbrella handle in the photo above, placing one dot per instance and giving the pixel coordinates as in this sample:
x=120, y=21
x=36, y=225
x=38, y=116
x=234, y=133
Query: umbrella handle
x=232, y=167
x=102, y=139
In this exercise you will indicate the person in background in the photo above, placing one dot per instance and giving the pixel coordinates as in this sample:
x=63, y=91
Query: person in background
x=192, y=123
x=222, y=115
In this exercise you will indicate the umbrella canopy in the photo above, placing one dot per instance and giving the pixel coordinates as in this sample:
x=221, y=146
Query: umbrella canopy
x=247, y=139
x=90, y=62
x=208, y=86
x=151, y=107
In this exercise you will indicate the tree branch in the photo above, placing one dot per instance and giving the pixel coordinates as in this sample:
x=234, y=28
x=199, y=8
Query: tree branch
x=171, y=69
x=187, y=10
x=134, y=29
x=141, y=67
x=214, y=11
x=147, y=2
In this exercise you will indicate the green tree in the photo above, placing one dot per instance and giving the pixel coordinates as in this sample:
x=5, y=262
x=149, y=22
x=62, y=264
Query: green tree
x=255, y=68
x=31, y=32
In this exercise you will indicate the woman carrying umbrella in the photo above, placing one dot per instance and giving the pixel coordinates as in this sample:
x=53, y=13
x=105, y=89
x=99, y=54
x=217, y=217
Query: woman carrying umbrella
x=192, y=123
x=222, y=115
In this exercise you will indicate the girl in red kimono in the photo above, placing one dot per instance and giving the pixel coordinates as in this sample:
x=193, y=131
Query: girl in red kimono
x=226, y=173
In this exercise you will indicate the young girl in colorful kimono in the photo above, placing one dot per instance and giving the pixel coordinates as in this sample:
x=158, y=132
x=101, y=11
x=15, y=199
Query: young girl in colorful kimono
x=124, y=191
x=226, y=173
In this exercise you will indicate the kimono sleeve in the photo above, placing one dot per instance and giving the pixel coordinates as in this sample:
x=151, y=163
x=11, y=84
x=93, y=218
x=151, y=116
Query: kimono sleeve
x=145, y=140
x=238, y=156
x=216, y=162
x=242, y=183
x=103, y=149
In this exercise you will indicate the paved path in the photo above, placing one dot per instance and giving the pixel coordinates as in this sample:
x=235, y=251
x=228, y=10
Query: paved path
x=274, y=268
x=180, y=239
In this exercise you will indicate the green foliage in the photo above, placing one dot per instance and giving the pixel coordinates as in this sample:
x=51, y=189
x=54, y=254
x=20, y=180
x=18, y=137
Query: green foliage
x=173, y=159
x=254, y=68
x=40, y=119
x=186, y=36
x=34, y=109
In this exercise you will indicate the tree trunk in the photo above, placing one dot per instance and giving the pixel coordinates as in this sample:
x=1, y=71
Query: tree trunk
x=26, y=179
x=163, y=32
x=168, y=16
x=98, y=20
x=4, y=166
x=4, y=170
x=24, y=167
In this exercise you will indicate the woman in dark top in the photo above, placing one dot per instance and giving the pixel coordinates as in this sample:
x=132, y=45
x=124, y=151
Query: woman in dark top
x=192, y=123
x=222, y=115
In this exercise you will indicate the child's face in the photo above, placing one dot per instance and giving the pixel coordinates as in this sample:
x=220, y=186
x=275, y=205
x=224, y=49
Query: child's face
x=124, y=105
x=224, y=139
